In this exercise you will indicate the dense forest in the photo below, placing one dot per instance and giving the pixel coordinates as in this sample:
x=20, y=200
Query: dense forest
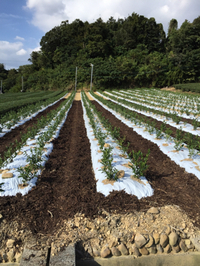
x=130, y=52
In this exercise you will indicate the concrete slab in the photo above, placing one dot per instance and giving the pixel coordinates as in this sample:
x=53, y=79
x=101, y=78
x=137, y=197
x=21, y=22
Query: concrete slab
x=183, y=259
x=31, y=257
x=10, y=264
x=64, y=258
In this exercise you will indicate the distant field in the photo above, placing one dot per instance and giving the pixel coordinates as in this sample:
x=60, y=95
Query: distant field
x=193, y=87
x=11, y=101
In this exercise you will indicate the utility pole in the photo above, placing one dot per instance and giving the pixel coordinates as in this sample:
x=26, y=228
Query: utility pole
x=76, y=78
x=91, y=77
x=1, y=88
x=22, y=84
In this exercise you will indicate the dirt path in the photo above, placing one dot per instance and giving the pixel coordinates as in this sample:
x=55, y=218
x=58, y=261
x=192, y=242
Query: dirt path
x=16, y=133
x=67, y=96
x=77, y=96
x=89, y=96
x=171, y=184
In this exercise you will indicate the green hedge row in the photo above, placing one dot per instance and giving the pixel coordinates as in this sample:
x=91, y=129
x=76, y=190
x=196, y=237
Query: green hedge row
x=193, y=87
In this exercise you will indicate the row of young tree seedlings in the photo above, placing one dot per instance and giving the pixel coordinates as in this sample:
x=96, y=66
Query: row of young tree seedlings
x=162, y=105
x=178, y=99
x=142, y=108
x=183, y=104
x=11, y=118
x=181, y=139
x=50, y=124
x=193, y=142
x=97, y=121
x=167, y=98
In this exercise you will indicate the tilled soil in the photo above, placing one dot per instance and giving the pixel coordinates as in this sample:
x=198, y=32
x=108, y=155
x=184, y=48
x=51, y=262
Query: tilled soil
x=67, y=185
x=171, y=184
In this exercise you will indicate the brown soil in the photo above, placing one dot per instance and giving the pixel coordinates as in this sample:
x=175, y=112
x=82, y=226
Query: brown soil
x=171, y=183
x=67, y=185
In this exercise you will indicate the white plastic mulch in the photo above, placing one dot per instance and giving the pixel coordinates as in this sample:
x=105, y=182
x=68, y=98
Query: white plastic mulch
x=183, y=126
x=140, y=188
x=23, y=120
x=10, y=185
x=191, y=165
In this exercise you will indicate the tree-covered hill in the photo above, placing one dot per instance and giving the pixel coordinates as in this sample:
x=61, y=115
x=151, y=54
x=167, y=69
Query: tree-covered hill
x=129, y=52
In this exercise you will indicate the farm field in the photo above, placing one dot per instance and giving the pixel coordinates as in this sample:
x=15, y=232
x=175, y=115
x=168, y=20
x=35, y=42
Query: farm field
x=13, y=101
x=72, y=180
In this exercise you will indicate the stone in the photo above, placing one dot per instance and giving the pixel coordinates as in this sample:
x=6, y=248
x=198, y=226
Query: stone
x=115, y=251
x=105, y=252
x=152, y=249
x=196, y=241
x=88, y=249
x=18, y=257
x=10, y=243
x=144, y=251
x=183, y=235
x=5, y=257
x=153, y=210
x=122, y=248
x=96, y=252
x=173, y=238
x=187, y=242
x=156, y=237
x=10, y=255
x=112, y=242
x=164, y=240
x=168, y=249
x=140, y=240
x=183, y=246
x=150, y=242
x=183, y=225
x=135, y=251
x=159, y=249
x=7, y=175
x=120, y=174
x=168, y=230
x=176, y=249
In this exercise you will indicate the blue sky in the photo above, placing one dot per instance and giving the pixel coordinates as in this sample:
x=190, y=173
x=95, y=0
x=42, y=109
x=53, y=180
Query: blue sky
x=24, y=22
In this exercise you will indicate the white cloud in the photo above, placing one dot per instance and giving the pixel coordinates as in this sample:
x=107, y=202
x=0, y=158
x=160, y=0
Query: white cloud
x=21, y=52
x=13, y=55
x=9, y=47
x=48, y=14
x=19, y=38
